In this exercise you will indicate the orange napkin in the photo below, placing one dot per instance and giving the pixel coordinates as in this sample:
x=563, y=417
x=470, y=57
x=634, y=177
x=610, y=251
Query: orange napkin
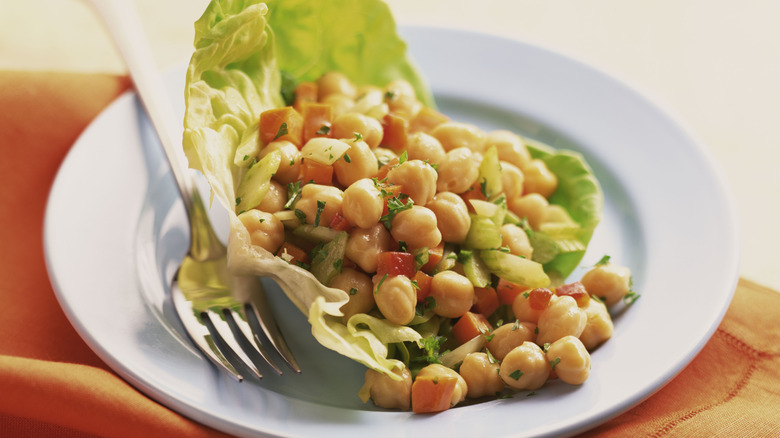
x=51, y=384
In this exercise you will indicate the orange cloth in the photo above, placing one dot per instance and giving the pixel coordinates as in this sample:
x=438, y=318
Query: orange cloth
x=52, y=384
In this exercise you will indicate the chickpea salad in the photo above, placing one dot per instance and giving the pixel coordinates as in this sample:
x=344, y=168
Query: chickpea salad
x=431, y=251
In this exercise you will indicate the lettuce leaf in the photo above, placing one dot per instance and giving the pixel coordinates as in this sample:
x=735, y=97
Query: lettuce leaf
x=580, y=194
x=234, y=75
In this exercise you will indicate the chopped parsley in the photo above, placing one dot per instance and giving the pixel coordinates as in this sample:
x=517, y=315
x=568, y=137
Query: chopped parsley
x=282, y=130
x=427, y=304
x=320, y=207
x=555, y=362
x=516, y=374
x=300, y=215
x=238, y=201
x=603, y=261
x=378, y=285
x=353, y=291
x=395, y=205
x=324, y=130
x=403, y=157
x=631, y=297
x=346, y=158
x=358, y=136
x=483, y=187
x=293, y=193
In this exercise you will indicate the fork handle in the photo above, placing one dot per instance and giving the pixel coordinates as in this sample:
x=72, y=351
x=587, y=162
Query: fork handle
x=122, y=22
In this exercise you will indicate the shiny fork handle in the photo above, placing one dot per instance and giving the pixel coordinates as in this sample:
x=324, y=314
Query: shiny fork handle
x=121, y=21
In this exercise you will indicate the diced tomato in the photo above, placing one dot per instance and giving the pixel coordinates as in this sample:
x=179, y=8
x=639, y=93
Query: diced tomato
x=507, y=292
x=317, y=118
x=475, y=192
x=281, y=124
x=382, y=174
x=432, y=393
x=317, y=172
x=469, y=326
x=293, y=254
x=486, y=301
x=575, y=290
x=339, y=222
x=423, y=282
x=305, y=92
x=426, y=119
x=539, y=298
x=434, y=257
x=395, y=263
x=395, y=132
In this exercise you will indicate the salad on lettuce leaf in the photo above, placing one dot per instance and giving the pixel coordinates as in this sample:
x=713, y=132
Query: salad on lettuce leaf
x=457, y=235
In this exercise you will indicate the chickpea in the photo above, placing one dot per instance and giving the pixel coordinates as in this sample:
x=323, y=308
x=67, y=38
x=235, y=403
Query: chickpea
x=360, y=164
x=400, y=87
x=371, y=102
x=339, y=103
x=511, y=180
x=417, y=227
x=265, y=230
x=510, y=146
x=481, y=375
x=515, y=238
x=422, y=146
x=453, y=135
x=389, y=393
x=453, y=293
x=452, y=216
x=525, y=367
x=438, y=370
x=311, y=194
x=532, y=206
x=608, y=282
x=346, y=125
x=561, y=318
x=364, y=244
x=384, y=155
x=570, y=360
x=360, y=289
x=539, y=179
x=599, y=327
x=335, y=83
x=290, y=166
x=401, y=98
x=508, y=336
x=418, y=179
x=363, y=203
x=458, y=171
x=396, y=298
x=521, y=308
x=274, y=199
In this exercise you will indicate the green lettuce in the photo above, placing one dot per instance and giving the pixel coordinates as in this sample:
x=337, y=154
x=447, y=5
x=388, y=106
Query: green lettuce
x=234, y=74
x=580, y=194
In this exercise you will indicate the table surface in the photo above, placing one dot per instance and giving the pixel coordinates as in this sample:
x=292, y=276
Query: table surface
x=712, y=63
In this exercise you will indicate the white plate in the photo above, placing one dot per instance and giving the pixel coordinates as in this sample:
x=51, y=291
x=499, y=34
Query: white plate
x=115, y=230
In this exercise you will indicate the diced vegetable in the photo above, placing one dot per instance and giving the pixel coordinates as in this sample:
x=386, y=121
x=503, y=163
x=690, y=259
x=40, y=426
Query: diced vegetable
x=324, y=150
x=395, y=263
x=328, y=260
x=315, y=233
x=396, y=130
x=490, y=173
x=318, y=173
x=293, y=254
x=483, y=234
x=432, y=394
x=423, y=282
x=281, y=124
x=486, y=301
x=515, y=269
x=475, y=270
x=256, y=181
x=317, y=118
x=434, y=258
x=469, y=326
x=575, y=290
x=507, y=291
x=305, y=92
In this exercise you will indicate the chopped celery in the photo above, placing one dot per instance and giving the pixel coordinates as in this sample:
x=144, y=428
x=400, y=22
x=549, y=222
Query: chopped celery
x=475, y=269
x=490, y=173
x=328, y=260
x=448, y=260
x=420, y=257
x=316, y=234
x=256, y=181
x=483, y=233
x=484, y=208
x=515, y=269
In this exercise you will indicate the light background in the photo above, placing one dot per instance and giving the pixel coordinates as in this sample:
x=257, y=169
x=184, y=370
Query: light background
x=715, y=64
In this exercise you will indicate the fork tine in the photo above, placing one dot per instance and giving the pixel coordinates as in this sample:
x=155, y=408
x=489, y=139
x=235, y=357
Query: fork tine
x=261, y=320
x=201, y=336
x=243, y=333
x=225, y=339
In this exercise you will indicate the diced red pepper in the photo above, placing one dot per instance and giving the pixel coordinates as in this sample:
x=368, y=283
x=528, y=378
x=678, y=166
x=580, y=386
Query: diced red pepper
x=305, y=92
x=486, y=301
x=281, y=124
x=539, y=298
x=317, y=118
x=423, y=282
x=469, y=326
x=575, y=290
x=293, y=254
x=395, y=263
x=432, y=393
x=434, y=257
x=339, y=222
x=395, y=132
x=382, y=173
x=317, y=172
x=507, y=292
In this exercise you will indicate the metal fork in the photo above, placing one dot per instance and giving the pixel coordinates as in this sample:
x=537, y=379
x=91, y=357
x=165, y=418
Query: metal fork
x=203, y=292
